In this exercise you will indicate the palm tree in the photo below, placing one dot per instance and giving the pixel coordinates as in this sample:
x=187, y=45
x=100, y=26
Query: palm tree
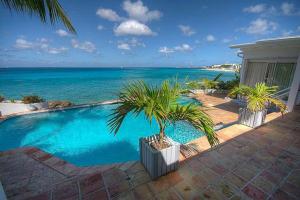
x=160, y=103
x=42, y=8
x=259, y=97
x=204, y=83
x=211, y=84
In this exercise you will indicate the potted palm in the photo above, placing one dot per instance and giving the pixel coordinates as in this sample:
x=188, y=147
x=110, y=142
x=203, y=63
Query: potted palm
x=257, y=100
x=159, y=154
x=211, y=86
x=206, y=85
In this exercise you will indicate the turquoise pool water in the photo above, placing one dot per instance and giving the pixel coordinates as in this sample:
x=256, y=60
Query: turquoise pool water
x=81, y=136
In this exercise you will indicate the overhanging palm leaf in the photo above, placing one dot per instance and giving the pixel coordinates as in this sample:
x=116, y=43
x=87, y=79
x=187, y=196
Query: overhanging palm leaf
x=41, y=8
x=197, y=118
x=218, y=77
x=160, y=103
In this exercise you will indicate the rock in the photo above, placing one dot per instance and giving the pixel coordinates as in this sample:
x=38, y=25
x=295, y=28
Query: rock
x=59, y=104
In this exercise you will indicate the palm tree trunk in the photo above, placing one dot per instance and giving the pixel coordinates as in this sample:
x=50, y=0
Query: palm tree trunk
x=161, y=133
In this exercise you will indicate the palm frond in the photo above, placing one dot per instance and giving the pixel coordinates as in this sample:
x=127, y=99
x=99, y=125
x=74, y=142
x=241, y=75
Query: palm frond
x=242, y=90
x=258, y=97
x=41, y=8
x=279, y=104
x=218, y=77
x=197, y=118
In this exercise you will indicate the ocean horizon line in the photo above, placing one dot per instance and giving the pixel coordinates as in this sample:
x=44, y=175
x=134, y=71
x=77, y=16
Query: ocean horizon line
x=121, y=67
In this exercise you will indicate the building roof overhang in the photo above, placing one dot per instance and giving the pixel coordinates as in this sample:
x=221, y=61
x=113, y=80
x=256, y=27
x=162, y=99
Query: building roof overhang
x=284, y=42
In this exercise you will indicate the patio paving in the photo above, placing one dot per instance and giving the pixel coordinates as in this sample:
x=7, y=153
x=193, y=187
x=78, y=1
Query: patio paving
x=262, y=163
x=223, y=110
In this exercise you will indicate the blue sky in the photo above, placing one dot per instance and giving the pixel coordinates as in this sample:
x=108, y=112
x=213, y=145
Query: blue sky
x=144, y=33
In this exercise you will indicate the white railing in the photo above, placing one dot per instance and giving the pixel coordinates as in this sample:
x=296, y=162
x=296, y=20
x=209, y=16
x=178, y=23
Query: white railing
x=282, y=93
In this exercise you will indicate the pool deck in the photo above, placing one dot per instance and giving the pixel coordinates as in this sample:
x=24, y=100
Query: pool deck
x=220, y=109
x=261, y=163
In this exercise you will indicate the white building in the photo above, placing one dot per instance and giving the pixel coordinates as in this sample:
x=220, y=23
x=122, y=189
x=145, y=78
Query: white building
x=275, y=62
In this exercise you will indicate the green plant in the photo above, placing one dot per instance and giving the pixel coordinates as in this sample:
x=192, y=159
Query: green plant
x=211, y=84
x=32, y=99
x=13, y=101
x=192, y=85
x=259, y=97
x=229, y=85
x=42, y=8
x=204, y=83
x=161, y=104
x=1, y=98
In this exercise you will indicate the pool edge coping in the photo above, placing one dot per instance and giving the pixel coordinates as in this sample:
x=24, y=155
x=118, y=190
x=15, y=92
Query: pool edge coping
x=108, y=102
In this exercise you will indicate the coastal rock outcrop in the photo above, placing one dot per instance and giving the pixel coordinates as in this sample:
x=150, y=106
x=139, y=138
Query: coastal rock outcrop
x=59, y=104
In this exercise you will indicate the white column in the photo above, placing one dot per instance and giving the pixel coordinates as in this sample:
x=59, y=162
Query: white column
x=243, y=71
x=294, y=87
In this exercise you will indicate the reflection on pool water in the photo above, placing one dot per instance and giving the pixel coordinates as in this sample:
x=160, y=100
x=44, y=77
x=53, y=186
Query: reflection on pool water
x=81, y=136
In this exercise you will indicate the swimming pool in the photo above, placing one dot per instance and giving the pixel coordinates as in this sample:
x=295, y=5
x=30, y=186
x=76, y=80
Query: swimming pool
x=81, y=136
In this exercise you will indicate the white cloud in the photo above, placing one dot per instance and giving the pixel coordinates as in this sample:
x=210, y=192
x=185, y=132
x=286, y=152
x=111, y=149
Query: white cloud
x=24, y=44
x=260, y=26
x=135, y=43
x=287, y=8
x=136, y=10
x=124, y=46
x=133, y=27
x=40, y=45
x=210, y=38
x=100, y=27
x=62, y=33
x=165, y=50
x=129, y=44
x=85, y=46
x=108, y=14
x=259, y=8
x=57, y=50
x=180, y=48
x=134, y=24
x=183, y=47
x=186, y=30
x=43, y=40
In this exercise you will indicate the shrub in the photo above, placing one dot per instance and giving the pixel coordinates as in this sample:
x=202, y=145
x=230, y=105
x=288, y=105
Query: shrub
x=229, y=85
x=1, y=98
x=32, y=99
x=59, y=104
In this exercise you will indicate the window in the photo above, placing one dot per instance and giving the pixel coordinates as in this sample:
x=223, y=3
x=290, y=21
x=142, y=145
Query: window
x=279, y=74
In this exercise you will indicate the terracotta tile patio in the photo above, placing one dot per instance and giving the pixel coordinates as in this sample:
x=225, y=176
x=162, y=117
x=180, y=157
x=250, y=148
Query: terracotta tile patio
x=222, y=110
x=262, y=163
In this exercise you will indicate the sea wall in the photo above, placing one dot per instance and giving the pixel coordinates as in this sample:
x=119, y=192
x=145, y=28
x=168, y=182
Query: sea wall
x=8, y=108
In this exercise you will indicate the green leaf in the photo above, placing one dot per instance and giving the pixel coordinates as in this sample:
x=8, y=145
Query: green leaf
x=41, y=8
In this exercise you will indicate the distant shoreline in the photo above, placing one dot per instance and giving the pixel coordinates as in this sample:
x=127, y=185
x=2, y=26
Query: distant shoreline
x=219, y=70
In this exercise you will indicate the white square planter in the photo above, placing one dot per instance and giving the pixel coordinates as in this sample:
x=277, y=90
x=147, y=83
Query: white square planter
x=210, y=91
x=159, y=162
x=252, y=119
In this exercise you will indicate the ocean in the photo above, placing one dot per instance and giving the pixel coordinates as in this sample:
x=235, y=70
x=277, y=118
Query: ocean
x=87, y=85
